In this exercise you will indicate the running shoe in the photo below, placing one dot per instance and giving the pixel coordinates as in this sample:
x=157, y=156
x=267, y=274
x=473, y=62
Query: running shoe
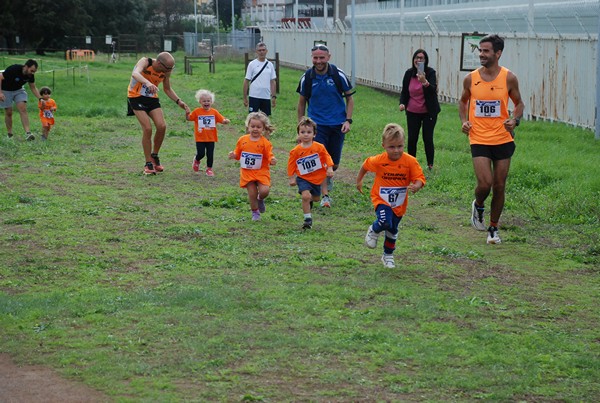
x=30, y=137
x=255, y=215
x=149, y=169
x=371, y=238
x=157, y=166
x=307, y=223
x=209, y=172
x=326, y=201
x=477, y=217
x=388, y=261
x=493, y=237
x=261, y=206
x=329, y=183
x=10, y=135
x=196, y=165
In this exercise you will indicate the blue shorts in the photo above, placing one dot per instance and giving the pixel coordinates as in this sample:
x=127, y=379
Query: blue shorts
x=495, y=153
x=259, y=104
x=146, y=104
x=303, y=185
x=386, y=219
x=333, y=140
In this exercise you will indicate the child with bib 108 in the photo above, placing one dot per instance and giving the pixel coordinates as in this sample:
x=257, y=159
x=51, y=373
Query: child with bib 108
x=255, y=154
x=396, y=172
x=309, y=164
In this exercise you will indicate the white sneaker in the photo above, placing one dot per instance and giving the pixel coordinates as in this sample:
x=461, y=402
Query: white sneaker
x=493, y=237
x=388, y=261
x=371, y=238
x=326, y=201
x=477, y=218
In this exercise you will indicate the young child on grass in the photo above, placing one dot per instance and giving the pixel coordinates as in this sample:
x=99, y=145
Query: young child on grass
x=255, y=154
x=47, y=108
x=396, y=172
x=309, y=164
x=205, y=121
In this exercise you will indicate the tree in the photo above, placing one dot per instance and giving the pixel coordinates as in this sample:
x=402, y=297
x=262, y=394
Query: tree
x=225, y=10
x=48, y=22
x=52, y=24
x=113, y=17
x=169, y=14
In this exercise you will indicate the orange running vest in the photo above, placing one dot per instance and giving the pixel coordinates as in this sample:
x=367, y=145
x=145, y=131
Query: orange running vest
x=488, y=109
x=137, y=89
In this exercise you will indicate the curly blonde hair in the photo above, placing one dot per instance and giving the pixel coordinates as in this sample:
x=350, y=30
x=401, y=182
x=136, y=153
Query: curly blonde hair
x=202, y=93
x=264, y=119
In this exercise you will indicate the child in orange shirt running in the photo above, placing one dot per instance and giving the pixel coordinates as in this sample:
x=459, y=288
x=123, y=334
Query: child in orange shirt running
x=309, y=165
x=205, y=129
x=396, y=172
x=255, y=154
x=47, y=108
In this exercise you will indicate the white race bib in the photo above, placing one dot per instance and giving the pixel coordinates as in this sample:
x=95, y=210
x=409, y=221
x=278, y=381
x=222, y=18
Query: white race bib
x=145, y=91
x=207, y=122
x=309, y=164
x=394, y=196
x=48, y=114
x=487, y=109
x=251, y=160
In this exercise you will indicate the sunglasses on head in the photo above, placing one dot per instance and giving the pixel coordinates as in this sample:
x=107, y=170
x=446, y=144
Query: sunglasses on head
x=166, y=67
x=320, y=47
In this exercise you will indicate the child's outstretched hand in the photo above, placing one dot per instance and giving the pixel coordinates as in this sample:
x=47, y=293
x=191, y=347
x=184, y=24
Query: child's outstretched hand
x=273, y=161
x=359, y=186
x=414, y=187
x=232, y=155
x=330, y=172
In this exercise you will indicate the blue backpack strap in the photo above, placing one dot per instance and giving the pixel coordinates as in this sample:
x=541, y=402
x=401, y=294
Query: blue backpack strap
x=335, y=74
x=308, y=76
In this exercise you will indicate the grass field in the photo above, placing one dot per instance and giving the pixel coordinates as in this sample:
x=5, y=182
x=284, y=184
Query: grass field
x=161, y=288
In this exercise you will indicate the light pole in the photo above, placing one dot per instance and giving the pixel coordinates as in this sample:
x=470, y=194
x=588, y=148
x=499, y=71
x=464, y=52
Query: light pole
x=218, y=30
x=195, y=51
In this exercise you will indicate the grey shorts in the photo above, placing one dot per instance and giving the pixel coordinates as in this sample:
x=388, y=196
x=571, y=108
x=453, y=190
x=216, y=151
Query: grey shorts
x=13, y=96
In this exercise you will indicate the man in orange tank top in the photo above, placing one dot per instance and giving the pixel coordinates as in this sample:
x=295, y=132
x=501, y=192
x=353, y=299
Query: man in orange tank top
x=483, y=110
x=142, y=101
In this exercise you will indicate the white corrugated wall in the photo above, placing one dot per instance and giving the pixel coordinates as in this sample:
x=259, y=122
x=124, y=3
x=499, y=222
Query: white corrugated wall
x=557, y=76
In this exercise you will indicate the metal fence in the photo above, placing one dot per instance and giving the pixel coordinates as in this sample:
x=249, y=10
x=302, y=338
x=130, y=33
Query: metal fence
x=560, y=17
x=557, y=76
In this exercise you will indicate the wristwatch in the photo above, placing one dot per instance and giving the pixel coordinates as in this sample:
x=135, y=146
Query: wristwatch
x=518, y=121
x=349, y=120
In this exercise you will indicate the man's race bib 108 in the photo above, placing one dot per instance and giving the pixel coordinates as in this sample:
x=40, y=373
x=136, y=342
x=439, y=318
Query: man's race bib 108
x=487, y=109
x=393, y=196
x=251, y=160
x=309, y=164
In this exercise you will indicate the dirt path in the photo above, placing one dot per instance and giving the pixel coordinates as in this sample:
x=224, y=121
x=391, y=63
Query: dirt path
x=40, y=384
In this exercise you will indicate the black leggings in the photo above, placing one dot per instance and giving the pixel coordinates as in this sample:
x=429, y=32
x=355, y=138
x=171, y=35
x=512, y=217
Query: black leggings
x=413, y=125
x=205, y=148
